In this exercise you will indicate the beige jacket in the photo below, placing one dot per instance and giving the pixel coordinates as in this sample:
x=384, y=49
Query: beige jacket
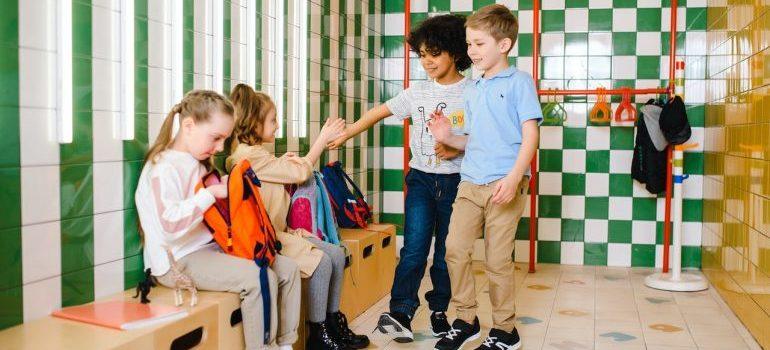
x=274, y=173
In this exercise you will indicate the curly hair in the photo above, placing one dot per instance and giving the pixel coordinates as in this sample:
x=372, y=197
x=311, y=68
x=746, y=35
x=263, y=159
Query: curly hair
x=444, y=33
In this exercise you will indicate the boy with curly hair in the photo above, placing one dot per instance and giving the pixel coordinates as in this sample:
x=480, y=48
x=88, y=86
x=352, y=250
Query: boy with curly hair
x=432, y=181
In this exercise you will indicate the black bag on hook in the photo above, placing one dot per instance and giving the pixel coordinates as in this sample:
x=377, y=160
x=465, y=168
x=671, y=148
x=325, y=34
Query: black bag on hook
x=674, y=123
x=648, y=165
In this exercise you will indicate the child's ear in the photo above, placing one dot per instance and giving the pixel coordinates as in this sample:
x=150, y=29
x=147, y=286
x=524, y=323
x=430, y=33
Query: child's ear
x=505, y=45
x=187, y=124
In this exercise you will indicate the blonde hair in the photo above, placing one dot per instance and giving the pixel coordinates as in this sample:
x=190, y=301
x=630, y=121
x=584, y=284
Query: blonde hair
x=196, y=104
x=497, y=20
x=251, y=110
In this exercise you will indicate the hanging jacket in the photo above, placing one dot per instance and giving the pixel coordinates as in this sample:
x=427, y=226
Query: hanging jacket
x=648, y=165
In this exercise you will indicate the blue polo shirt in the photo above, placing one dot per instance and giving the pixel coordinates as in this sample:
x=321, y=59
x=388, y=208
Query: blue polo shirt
x=495, y=110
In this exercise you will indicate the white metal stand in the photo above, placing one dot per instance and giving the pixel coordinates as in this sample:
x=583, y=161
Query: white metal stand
x=675, y=280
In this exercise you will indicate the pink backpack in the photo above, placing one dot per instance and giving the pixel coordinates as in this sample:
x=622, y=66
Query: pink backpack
x=311, y=210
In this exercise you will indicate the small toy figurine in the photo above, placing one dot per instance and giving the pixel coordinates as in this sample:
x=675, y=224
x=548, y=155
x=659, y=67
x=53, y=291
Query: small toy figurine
x=144, y=287
x=181, y=281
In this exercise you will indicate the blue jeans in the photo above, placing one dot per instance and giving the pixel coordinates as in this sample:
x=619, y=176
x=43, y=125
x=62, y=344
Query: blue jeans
x=427, y=210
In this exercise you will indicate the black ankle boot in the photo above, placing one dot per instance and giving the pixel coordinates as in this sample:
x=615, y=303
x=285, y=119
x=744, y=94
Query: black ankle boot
x=321, y=339
x=338, y=328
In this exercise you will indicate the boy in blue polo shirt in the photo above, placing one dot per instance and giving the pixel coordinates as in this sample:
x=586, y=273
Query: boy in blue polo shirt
x=502, y=114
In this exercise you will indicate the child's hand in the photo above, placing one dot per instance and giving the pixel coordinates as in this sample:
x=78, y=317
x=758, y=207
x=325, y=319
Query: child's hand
x=332, y=129
x=293, y=157
x=505, y=189
x=220, y=190
x=445, y=152
x=439, y=126
x=337, y=143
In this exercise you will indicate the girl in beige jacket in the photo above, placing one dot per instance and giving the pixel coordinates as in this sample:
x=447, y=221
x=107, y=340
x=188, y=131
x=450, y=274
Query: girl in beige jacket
x=323, y=263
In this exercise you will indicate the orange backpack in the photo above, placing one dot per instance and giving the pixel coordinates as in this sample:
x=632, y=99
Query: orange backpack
x=241, y=226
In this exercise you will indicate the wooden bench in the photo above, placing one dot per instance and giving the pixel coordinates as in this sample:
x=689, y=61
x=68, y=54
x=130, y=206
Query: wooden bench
x=215, y=322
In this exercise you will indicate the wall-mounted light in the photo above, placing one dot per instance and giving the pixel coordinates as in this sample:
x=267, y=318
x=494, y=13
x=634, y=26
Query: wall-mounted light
x=64, y=103
x=217, y=54
x=251, y=43
x=126, y=124
x=278, y=62
x=177, y=52
x=301, y=78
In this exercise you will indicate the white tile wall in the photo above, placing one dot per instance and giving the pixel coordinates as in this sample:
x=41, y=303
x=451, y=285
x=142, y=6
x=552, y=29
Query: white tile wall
x=34, y=17
x=37, y=71
x=41, y=298
x=108, y=182
x=40, y=194
x=108, y=279
x=108, y=237
x=106, y=146
x=41, y=251
x=37, y=136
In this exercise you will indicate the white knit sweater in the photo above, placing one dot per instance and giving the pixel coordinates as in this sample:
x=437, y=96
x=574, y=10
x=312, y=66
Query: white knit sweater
x=170, y=212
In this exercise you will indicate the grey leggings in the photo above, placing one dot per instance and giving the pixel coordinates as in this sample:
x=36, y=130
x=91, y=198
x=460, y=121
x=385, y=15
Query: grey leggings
x=325, y=285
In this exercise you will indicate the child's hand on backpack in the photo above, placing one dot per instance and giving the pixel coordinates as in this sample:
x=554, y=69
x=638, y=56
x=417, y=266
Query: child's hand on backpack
x=505, y=189
x=439, y=126
x=219, y=190
x=445, y=152
x=332, y=129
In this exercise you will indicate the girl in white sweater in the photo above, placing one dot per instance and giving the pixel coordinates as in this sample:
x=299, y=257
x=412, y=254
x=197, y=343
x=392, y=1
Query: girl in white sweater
x=171, y=215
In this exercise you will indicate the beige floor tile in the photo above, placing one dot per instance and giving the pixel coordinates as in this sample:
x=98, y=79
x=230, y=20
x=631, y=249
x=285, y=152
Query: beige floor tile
x=579, y=334
x=608, y=346
x=720, y=342
x=617, y=318
x=567, y=344
x=678, y=338
x=562, y=321
x=531, y=343
x=584, y=307
x=619, y=336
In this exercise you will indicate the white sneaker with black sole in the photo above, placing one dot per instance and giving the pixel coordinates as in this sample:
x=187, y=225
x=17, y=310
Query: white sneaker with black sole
x=460, y=334
x=397, y=326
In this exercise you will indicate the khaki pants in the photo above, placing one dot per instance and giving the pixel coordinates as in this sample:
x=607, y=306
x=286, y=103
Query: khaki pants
x=474, y=213
x=213, y=270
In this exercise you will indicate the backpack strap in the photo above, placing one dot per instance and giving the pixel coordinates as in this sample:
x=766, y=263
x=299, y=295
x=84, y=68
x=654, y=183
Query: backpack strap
x=325, y=209
x=264, y=287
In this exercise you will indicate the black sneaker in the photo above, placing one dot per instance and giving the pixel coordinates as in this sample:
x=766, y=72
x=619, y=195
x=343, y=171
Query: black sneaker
x=501, y=340
x=396, y=325
x=439, y=324
x=460, y=333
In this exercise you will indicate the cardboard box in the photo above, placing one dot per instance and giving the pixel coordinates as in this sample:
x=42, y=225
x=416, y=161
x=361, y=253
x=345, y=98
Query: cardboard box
x=230, y=319
x=302, y=329
x=348, y=304
x=386, y=260
x=364, y=247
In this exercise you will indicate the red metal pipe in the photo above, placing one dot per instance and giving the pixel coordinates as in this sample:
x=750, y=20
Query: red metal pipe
x=533, y=165
x=407, y=26
x=669, y=156
x=672, y=47
x=653, y=91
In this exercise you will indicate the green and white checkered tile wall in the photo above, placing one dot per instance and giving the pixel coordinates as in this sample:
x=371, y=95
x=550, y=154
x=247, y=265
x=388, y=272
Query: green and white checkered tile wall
x=591, y=212
x=68, y=233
